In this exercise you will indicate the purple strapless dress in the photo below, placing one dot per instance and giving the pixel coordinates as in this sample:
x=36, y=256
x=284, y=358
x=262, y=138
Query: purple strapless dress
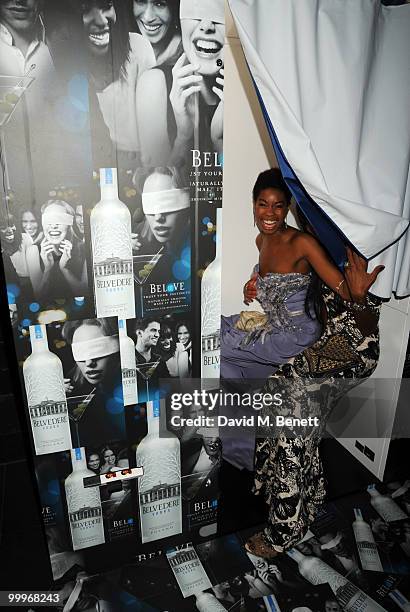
x=288, y=331
x=256, y=355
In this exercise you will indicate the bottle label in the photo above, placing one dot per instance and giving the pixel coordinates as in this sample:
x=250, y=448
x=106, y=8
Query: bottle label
x=78, y=454
x=129, y=386
x=159, y=488
x=113, y=269
x=160, y=512
x=85, y=516
x=38, y=332
x=188, y=571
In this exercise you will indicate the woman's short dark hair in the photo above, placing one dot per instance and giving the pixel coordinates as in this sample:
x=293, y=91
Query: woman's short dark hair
x=271, y=179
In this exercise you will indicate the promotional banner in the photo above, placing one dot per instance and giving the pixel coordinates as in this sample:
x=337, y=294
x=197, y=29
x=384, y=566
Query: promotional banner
x=111, y=134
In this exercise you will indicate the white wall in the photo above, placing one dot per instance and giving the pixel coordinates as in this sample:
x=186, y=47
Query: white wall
x=248, y=151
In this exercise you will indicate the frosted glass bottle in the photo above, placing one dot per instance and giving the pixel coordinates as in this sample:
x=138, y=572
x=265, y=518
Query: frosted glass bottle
x=385, y=506
x=84, y=504
x=211, y=310
x=206, y=602
x=47, y=404
x=112, y=251
x=349, y=596
x=159, y=489
x=128, y=365
x=366, y=546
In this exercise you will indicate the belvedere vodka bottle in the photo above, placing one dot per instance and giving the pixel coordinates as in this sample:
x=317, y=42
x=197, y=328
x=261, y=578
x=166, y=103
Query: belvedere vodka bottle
x=128, y=366
x=349, y=596
x=47, y=404
x=112, y=251
x=159, y=489
x=84, y=505
x=189, y=572
x=206, y=602
x=368, y=553
x=385, y=506
x=211, y=310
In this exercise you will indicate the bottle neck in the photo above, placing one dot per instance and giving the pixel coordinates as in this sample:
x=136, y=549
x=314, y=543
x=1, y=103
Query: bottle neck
x=38, y=339
x=122, y=328
x=358, y=514
x=153, y=417
x=373, y=492
x=218, y=253
x=295, y=554
x=108, y=183
x=78, y=459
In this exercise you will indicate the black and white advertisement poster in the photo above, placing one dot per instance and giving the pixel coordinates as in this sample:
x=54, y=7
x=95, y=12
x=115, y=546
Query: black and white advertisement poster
x=111, y=132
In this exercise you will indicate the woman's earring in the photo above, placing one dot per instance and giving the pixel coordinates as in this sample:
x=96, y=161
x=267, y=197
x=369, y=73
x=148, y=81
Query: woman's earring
x=284, y=223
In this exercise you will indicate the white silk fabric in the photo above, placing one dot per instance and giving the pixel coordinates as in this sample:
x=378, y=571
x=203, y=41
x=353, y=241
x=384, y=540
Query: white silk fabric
x=334, y=76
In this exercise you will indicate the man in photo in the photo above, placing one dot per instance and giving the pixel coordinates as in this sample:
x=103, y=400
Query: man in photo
x=23, y=47
x=150, y=365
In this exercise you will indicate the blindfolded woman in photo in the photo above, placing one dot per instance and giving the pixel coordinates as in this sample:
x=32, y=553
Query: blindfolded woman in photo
x=95, y=380
x=57, y=266
x=181, y=108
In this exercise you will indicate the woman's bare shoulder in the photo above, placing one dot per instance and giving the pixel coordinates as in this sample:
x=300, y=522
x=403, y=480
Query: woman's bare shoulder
x=302, y=238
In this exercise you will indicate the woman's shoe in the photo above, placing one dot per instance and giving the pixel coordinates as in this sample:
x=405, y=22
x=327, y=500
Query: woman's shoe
x=256, y=545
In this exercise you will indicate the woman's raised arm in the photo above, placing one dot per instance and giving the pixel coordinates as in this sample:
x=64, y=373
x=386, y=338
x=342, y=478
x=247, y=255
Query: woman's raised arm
x=355, y=282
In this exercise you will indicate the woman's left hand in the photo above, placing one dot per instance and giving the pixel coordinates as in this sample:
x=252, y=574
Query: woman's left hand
x=65, y=248
x=217, y=119
x=359, y=280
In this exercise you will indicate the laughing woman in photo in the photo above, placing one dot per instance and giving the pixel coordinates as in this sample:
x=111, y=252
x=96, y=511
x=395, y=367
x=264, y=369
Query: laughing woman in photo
x=14, y=246
x=116, y=58
x=158, y=22
x=57, y=266
x=181, y=108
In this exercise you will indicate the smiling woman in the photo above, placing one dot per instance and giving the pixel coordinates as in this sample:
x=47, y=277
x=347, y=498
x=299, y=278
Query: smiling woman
x=116, y=58
x=290, y=262
x=14, y=245
x=170, y=98
x=57, y=266
x=158, y=22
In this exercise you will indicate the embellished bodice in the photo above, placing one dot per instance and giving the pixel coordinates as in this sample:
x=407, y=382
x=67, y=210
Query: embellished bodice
x=282, y=297
x=274, y=290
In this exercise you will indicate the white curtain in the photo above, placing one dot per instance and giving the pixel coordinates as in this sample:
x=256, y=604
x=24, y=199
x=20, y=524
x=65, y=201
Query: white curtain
x=334, y=76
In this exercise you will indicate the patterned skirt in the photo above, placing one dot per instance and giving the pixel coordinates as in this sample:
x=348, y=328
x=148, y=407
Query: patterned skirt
x=288, y=468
